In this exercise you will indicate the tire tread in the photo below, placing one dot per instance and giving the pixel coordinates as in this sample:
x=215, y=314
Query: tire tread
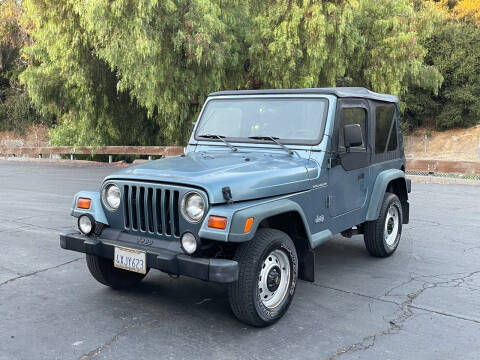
x=373, y=235
x=104, y=272
x=241, y=296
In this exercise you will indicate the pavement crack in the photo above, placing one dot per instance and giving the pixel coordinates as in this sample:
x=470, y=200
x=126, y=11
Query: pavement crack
x=95, y=352
x=387, y=293
x=472, y=248
x=355, y=293
x=39, y=271
x=107, y=344
x=396, y=324
x=458, y=317
x=35, y=226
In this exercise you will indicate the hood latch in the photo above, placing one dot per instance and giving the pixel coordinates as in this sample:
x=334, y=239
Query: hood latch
x=227, y=194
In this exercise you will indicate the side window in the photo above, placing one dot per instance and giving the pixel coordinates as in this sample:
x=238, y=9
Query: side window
x=384, y=117
x=392, y=145
x=353, y=116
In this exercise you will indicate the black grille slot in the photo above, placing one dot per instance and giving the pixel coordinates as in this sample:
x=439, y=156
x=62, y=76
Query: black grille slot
x=133, y=207
x=126, y=207
x=176, y=225
x=158, y=208
x=141, y=208
x=151, y=209
x=166, y=202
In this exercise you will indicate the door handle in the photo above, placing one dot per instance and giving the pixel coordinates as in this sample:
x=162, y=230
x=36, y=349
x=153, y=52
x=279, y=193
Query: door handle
x=361, y=176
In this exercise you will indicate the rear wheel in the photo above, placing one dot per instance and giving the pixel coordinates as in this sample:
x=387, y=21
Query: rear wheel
x=104, y=272
x=267, y=279
x=383, y=235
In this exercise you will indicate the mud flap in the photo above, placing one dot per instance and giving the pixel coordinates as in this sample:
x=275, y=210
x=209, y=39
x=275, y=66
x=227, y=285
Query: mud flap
x=307, y=266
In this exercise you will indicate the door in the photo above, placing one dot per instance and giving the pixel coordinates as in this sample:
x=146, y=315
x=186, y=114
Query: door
x=348, y=169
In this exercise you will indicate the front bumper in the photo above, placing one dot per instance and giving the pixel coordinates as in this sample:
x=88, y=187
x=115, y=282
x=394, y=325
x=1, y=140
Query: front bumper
x=172, y=262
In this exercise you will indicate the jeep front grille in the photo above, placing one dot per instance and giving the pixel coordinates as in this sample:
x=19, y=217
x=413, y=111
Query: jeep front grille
x=151, y=209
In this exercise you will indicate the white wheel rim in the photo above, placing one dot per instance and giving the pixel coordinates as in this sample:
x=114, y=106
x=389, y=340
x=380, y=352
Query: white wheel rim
x=392, y=221
x=274, y=278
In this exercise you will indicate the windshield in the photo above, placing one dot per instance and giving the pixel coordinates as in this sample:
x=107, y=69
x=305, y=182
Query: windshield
x=292, y=121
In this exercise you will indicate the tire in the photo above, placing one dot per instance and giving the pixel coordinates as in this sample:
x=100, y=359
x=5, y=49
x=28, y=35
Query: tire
x=382, y=236
x=104, y=272
x=261, y=301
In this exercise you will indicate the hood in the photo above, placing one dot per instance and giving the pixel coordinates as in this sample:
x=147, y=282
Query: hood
x=249, y=175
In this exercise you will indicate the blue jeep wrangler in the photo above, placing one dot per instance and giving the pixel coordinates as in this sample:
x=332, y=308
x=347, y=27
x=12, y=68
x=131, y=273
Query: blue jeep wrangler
x=267, y=176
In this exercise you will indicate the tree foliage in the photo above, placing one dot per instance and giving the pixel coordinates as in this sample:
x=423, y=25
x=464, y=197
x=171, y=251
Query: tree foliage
x=300, y=43
x=67, y=79
x=12, y=37
x=390, y=54
x=454, y=50
x=467, y=9
x=16, y=111
x=136, y=72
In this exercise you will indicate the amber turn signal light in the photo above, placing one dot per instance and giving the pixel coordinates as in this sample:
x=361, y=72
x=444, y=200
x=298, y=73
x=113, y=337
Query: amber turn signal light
x=83, y=203
x=217, y=222
x=248, y=225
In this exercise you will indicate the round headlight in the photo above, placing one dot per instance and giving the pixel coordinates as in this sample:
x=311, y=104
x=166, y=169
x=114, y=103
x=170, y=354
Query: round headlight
x=85, y=224
x=193, y=207
x=188, y=243
x=111, y=196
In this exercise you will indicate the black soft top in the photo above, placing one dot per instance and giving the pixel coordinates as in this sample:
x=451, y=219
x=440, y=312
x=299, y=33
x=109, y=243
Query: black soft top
x=342, y=92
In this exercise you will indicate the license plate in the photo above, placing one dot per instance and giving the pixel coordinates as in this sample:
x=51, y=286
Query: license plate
x=130, y=259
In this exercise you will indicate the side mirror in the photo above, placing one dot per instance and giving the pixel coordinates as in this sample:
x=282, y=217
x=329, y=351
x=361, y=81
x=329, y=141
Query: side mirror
x=352, y=135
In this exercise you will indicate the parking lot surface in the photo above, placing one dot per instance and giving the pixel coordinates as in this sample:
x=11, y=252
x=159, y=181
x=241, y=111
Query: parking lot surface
x=421, y=303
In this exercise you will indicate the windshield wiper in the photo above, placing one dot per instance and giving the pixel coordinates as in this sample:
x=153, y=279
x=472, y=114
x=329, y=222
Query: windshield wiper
x=220, y=137
x=275, y=140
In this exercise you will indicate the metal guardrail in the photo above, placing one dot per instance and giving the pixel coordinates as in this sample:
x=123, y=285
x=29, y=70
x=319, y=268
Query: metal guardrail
x=444, y=166
x=473, y=177
x=92, y=150
x=467, y=170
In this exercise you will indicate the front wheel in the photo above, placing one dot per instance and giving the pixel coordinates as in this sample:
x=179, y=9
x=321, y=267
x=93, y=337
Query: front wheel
x=104, y=272
x=267, y=279
x=383, y=235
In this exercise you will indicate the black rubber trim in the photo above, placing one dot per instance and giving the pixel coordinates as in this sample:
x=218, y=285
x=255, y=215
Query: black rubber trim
x=215, y=270
x=406, y=212
x=409, y=185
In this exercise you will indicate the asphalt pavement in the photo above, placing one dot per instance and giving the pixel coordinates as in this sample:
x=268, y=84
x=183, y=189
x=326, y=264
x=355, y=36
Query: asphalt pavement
x=421, y=303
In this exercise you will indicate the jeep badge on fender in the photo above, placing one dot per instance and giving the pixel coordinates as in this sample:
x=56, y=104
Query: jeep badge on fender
x=267, y=176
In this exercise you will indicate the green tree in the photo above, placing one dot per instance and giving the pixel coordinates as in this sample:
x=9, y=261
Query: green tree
x=168, y=54
x=16, y=112
x=136, y=72
x=66, y=78
x=454, y=49
x=300, y=43
x=389, y=56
